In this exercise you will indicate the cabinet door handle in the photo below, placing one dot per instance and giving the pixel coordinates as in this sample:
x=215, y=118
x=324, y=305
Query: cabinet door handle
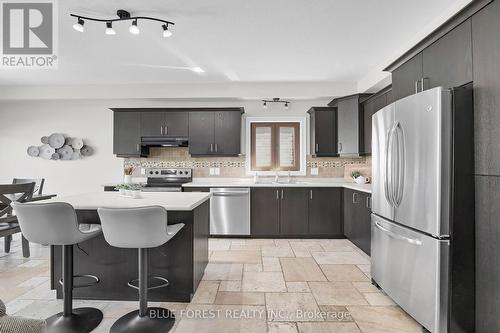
x=211, y=147
x=369, y=202
x=165, y=130
x=216, y=147
x=416, y=86
x=422, y=83
x=281, y=194
x=317, y=147
x=355, y=198
x=138, y=148
x=340, y=146
x=161, y=130
x=310, y=194
x=277, y=195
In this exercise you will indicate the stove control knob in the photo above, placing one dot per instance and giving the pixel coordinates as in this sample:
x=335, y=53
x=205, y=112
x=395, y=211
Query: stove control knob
x=150, y=172
x=156, y=172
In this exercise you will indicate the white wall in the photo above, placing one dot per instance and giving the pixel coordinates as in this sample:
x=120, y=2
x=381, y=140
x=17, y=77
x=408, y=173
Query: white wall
x=23, y=123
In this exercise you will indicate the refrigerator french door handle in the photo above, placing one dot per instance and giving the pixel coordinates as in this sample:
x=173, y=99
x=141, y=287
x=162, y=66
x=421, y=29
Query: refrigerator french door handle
x=397, y=236
x=401, y=164
x=389, y=168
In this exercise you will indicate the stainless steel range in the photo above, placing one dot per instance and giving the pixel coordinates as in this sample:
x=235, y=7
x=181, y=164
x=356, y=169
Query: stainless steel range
x=166, y=180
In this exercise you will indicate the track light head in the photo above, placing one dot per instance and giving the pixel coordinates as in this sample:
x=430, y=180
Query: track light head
x=166, y=33
x=79, y=25
x=134, y=29
x=109, y=29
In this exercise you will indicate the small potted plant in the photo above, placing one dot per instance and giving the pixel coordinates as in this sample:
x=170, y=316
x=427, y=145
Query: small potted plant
x=122, y=189
x=135, y=191
x=127, y=171
x=358, y=178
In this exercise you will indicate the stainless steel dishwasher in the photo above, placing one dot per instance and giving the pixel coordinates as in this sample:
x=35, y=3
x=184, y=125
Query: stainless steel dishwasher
x=230, y=211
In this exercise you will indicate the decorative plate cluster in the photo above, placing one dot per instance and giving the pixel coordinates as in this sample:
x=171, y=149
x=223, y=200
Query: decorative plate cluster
x=58, y=147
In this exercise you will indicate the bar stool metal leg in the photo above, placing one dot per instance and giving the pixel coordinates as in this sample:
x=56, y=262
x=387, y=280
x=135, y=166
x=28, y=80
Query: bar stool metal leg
x=150, y=320
x=80, y=320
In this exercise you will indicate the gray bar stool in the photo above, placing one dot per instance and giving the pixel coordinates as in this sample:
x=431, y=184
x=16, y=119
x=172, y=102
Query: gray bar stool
x=56, y=224
x=140, y=228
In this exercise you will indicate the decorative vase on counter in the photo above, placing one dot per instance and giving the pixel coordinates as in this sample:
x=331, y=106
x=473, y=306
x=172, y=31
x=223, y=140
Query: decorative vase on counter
x=127, y=179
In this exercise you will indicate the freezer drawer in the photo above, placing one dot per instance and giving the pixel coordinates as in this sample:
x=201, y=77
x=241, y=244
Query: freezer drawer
x=412, y=268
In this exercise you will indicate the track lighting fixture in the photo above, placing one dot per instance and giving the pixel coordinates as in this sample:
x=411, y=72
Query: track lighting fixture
x=123, y=15
x=79, y=25
x=134, y=30
x=166, y=33
x=275, y=100
x=109, y=29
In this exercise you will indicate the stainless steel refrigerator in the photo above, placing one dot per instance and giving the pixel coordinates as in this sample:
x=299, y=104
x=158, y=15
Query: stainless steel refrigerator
x=422, y=250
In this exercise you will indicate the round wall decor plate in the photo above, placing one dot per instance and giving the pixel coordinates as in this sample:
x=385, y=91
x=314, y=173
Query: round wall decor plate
x=46, y=152
x=33, y=151
x=56, y=140
x=66, y=152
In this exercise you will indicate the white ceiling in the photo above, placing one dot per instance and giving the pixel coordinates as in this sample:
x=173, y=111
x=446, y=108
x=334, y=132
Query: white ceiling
x=237, y=40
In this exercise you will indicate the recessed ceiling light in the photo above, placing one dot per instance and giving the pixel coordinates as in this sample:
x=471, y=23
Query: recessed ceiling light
x=79, y=25
x=134, y=30
x=109, y=29
x=166, y=32
x=197, y=69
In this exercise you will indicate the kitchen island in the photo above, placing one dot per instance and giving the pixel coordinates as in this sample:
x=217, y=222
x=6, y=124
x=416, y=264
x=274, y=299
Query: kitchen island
x=181, y=261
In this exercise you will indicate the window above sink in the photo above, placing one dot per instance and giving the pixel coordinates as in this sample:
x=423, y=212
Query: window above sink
x=276, y=145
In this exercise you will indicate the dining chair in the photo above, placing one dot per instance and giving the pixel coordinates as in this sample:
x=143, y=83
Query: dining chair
x=8, y=222
x=38, y=183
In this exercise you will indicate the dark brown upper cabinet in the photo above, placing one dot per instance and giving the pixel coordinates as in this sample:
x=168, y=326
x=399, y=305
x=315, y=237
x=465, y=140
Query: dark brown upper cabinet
x=350, y=124
x=171, y=123
x=486, y=27
x=215, y=132
x=323, y=131
x=447, y=63
x=370, y=107
x=407, y=78
x=127, y=135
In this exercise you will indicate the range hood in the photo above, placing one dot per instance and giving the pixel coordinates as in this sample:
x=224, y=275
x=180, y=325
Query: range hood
x=164, y=141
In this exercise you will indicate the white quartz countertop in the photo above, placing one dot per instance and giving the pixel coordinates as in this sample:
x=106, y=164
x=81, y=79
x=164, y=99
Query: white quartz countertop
x=168, y=200
x=307, y=182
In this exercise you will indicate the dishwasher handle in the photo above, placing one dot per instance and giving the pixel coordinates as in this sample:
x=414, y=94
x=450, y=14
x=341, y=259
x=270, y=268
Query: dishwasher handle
x=226, y=192
x=229, y=194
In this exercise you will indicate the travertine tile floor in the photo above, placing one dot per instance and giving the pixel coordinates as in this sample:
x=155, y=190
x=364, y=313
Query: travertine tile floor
x=250, y=285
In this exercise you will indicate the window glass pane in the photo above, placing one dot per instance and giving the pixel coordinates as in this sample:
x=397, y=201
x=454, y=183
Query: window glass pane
x=287, y=146
x=263, y=147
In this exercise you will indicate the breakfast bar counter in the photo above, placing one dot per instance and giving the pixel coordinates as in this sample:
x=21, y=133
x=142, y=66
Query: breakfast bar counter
x=181, y=261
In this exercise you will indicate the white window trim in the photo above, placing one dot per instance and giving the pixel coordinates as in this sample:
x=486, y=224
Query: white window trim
x=303, y=144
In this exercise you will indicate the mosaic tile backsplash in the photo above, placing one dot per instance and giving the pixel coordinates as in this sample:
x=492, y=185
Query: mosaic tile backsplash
x=179, y=157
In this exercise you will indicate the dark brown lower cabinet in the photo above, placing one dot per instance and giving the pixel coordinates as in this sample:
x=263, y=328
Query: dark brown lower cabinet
x=325, y=212
x=357, y=220
x=265, y=212
x=294, y=211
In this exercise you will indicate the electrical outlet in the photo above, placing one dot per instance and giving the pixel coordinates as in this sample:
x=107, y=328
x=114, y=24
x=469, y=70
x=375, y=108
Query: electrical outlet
x=143, y=171
x=212, y=171
x=314, y=171
x=217, y=171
